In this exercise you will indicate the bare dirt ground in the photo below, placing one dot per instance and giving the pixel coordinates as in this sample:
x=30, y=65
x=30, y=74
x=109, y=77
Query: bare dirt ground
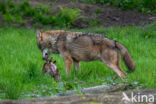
x=107, y=16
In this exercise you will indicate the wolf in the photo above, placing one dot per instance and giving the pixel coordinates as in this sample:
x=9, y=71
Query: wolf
x=77, y=46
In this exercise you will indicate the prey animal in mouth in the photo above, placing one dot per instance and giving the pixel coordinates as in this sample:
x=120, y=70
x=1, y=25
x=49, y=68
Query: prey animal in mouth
x=51, y=68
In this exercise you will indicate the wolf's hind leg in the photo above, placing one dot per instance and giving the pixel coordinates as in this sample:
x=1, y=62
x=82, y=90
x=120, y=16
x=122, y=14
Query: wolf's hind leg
x=112, y=59
x=117, y=70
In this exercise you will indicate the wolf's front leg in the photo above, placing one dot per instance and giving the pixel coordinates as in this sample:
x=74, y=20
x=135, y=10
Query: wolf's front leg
x=68, y=63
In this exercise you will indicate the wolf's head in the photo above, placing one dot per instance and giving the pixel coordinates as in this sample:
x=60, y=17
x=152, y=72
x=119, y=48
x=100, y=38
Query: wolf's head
x=44, y=44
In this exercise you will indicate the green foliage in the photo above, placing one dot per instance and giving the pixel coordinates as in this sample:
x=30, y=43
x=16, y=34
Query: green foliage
x=10, y=18
x=43, y=19
x=24, y=6
x=3, y=7
x=94, y=22
x=18, y=19
x=44, y=8
x=10, y=4
x=7, y=17
x=144, y=6
x=40, y=14
x=66, y=16
x=29, y=12
x=98, y=11
x=150, y=4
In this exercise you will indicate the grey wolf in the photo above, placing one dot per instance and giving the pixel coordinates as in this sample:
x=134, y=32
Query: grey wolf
x=76, y=46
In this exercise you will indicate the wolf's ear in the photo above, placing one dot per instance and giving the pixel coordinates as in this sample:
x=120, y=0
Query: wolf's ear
x=38, y=33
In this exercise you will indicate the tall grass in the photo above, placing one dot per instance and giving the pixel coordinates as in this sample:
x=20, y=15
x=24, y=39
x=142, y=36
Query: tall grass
x=21, y=63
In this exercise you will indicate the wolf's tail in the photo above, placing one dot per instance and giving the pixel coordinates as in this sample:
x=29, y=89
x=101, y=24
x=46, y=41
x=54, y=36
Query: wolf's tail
x=126, y=56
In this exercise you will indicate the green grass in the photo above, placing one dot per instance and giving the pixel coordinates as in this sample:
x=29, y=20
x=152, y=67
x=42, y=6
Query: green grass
x=21, y=63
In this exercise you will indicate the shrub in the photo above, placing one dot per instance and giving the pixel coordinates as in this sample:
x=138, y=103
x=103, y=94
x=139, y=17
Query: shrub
x=23, y=6
x=94, y=22
x=14, y=11
x=18, y=19
x=3, y=7
x=40, y=14
x=11, y=4
x=150, y=4
x=7, y=17
x=66, y=16
x=48, y=20
x=44, y=19
x=43, y=8
x=98, y=11
x=29, y=12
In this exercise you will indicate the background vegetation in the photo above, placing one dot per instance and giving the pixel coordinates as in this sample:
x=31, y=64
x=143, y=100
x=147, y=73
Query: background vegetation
x=145, y=6
x=39, y=15
x=24, y=13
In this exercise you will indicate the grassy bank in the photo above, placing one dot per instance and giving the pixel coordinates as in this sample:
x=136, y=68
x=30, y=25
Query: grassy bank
x=21, y=63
